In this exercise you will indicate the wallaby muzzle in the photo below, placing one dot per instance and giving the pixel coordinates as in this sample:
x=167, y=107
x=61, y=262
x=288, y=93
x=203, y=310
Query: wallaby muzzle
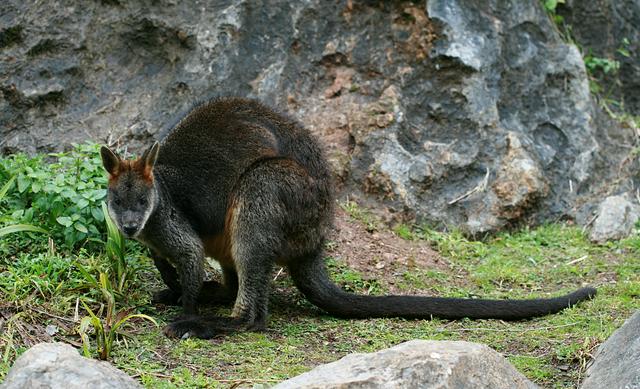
x=130, y=225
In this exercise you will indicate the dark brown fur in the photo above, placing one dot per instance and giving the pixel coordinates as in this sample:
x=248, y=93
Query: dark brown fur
x=236, y=181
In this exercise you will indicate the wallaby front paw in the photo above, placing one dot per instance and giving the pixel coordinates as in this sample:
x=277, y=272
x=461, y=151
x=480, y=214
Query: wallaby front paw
x=166, y=297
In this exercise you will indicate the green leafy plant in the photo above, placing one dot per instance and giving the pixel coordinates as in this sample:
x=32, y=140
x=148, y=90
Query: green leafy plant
x=119, y=273
x=598, y=68
x=550, y=6
x=114, y=282
x=624, y=49
x=106, y=330
x=607, y=65
x=60, y=192
x=116, y=252
x=15, y=227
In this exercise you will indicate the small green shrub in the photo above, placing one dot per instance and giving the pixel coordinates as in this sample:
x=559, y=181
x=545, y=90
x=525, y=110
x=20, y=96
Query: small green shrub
x=606, y=65
x=13, y=228
x=550, y=6
x=61, y=193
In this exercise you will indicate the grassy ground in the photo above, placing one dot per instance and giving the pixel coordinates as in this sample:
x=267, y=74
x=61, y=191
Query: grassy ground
x=40, y=289
x=45, y=278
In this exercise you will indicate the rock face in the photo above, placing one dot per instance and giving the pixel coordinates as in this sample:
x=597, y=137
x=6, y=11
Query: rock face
x=58, y=365
x=617, y=215
x=457, y=112
x=416, y=364
x=610, y=29
x=617, y=362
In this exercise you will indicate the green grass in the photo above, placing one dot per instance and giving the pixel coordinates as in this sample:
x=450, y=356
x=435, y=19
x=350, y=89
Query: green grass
x=40, y=285
x=364, y=216
x=552, y=351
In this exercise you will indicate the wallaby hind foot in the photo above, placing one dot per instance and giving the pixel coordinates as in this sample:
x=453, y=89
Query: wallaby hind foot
x=208, y=327
x=213, y=293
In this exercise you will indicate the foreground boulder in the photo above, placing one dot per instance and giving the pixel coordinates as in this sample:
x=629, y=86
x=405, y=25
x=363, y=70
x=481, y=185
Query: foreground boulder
x=58, y=365
x=416, y=364
x=617, y=362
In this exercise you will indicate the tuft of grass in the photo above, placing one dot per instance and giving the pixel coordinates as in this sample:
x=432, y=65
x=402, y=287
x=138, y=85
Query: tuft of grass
x=12, y=229
x=352, y=280
x=106, y=331
x=405, y=232
x=364, y=216
x=116, y=253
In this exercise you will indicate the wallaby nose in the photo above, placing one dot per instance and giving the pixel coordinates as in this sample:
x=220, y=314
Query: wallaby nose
x=130, y=229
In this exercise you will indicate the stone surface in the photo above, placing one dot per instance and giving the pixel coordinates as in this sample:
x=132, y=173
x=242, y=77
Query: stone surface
x=610, y=29
x=467, y=113
x=616, y=217
x=58, y=365
x=416, y=364
x=617, y=362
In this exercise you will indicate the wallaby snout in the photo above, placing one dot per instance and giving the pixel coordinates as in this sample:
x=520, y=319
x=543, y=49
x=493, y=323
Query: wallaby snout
x=130, y=230
x=130, y=225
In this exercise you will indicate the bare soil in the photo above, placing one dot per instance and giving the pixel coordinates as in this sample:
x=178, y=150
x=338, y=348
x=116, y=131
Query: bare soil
x=380, y=254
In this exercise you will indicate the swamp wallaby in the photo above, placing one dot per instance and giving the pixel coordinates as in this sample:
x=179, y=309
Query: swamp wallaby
x=236, y=181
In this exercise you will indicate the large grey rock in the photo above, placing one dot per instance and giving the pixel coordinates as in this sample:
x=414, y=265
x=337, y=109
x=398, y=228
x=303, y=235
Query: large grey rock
x=416, y=364
x=617, y=362
x=617, y=215
x=59, y=366
x=471, y=113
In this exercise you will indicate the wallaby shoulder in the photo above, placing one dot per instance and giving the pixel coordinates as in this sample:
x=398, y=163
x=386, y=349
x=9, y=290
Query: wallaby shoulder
x=238, y=131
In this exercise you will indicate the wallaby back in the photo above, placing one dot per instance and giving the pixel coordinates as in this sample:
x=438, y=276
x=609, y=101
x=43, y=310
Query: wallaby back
x=206, y=153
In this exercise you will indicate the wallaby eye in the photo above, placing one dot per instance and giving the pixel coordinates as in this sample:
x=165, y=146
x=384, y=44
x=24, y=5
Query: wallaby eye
x=117, y=201
x=142, y=202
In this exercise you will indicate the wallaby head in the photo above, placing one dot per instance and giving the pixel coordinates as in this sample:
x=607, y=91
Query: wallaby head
x=132, y=195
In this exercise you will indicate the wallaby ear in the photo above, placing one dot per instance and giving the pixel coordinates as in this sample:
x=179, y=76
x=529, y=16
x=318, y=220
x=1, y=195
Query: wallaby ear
x=110, y=160
x=149, y=157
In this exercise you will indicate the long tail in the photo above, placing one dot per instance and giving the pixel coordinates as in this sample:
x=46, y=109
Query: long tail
x=310, y=276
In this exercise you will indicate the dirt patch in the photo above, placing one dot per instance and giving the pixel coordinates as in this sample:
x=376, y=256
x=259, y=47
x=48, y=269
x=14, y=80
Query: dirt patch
x=381, y=254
